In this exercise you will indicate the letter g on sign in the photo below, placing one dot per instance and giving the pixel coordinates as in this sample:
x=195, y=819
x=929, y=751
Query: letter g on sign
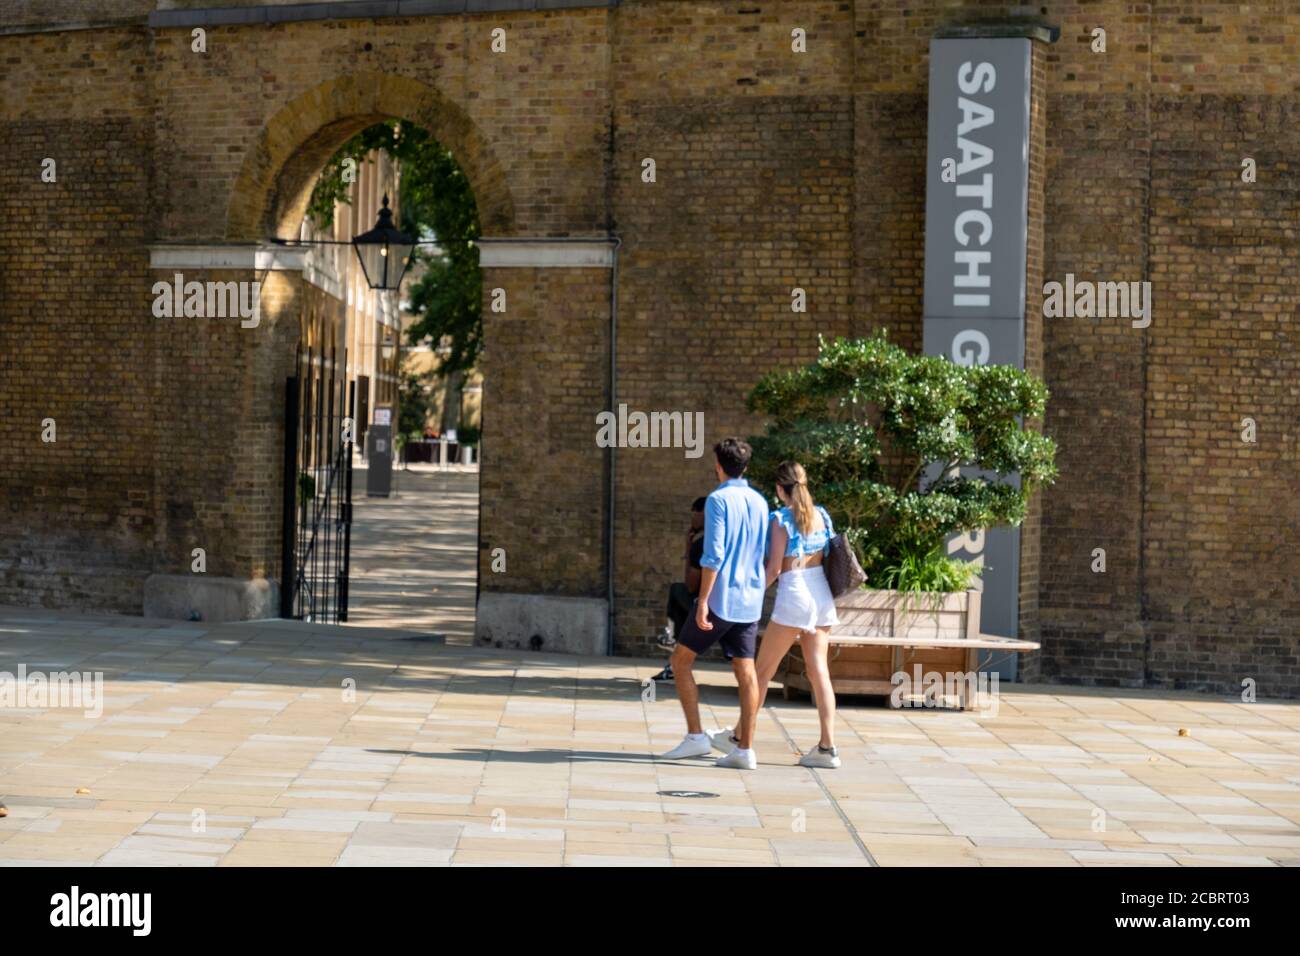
x=970, y=347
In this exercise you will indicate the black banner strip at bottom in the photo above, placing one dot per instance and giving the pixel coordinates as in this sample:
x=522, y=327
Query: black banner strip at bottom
x=215, y=905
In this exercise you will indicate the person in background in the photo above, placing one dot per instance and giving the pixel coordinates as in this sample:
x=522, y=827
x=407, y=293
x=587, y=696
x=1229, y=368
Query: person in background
x=681, y=594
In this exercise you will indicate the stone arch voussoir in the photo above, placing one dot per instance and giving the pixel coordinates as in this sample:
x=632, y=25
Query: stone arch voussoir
x=270, y=194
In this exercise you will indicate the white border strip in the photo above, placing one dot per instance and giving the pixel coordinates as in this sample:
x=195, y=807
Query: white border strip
x=546, y=254
x=261, y=258
x=245, y=256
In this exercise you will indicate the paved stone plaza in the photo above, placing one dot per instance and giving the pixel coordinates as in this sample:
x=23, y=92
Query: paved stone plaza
x=461, y=756
x=415, y=554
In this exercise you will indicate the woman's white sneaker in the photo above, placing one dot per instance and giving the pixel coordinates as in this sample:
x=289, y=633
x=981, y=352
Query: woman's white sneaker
x=821, y=759
x=739, y=760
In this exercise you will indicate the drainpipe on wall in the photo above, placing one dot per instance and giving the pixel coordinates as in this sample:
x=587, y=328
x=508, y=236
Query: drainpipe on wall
x=613, y=450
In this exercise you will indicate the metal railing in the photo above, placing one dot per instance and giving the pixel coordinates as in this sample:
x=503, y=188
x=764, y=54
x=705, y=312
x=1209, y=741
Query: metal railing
x=317, y=493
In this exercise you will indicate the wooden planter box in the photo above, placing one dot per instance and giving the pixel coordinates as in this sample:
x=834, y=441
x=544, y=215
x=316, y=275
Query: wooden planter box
x=883, y=632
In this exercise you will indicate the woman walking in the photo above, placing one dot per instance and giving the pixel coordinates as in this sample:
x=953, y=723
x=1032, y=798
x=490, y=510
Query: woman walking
x=805, y=609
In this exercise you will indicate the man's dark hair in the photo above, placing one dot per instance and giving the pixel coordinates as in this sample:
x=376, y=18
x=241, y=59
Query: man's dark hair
x=733, y=455
x=698, y=503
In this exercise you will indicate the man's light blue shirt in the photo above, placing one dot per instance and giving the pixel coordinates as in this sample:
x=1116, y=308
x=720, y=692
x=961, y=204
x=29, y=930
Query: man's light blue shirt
x=735, y=546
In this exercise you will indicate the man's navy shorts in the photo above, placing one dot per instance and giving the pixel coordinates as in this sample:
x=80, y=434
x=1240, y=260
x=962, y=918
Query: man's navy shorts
x=737, y=640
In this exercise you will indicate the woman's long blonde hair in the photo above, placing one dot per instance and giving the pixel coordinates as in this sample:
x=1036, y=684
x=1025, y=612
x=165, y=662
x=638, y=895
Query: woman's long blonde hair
x=793, y=480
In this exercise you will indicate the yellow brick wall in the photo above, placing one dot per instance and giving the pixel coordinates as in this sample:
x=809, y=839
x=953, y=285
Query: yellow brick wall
x=774, y=170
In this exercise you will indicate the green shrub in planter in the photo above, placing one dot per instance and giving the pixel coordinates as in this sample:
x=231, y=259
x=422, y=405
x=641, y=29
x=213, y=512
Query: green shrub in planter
x=882, y=433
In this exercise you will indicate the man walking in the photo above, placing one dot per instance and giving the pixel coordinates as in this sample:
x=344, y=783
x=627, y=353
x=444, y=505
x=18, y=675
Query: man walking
x=733, y=579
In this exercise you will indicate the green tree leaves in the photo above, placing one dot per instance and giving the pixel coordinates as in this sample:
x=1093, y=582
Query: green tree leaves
x=414, y=404
x=882, y=433
x=436, y=204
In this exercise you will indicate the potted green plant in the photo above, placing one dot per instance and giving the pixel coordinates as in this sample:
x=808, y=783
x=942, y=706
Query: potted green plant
x=885, y=436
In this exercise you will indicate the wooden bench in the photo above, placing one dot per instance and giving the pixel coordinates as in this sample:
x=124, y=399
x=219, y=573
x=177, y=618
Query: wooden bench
x=878, y=637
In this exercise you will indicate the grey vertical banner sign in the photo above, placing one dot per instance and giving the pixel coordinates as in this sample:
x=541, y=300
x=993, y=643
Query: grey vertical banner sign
x=976, y=234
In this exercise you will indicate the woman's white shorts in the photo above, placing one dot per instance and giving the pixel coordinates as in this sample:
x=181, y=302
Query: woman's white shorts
x=803, y=600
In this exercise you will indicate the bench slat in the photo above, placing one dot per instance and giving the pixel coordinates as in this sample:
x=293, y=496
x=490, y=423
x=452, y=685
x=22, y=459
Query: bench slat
x=983, y=640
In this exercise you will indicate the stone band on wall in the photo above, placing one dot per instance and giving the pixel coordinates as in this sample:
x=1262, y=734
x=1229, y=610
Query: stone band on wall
x=547, y=253
x=355, y=10
x=263, y=257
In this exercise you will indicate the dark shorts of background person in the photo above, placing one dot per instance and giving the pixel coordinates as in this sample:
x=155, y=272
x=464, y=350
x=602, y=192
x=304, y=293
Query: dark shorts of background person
x=736, y=640
x=681, y=599
x=681, y=605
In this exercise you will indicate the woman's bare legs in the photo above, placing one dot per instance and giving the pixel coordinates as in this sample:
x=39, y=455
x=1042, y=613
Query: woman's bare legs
x=816, y=647
x=777, y=640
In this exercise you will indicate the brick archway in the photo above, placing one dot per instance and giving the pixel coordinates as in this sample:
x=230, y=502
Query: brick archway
x=270, y=194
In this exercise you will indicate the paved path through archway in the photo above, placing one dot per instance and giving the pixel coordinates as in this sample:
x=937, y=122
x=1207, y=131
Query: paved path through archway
x=415, y=554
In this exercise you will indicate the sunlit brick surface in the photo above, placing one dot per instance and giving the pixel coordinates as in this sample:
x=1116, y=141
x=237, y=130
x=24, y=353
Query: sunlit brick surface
x=774, y=170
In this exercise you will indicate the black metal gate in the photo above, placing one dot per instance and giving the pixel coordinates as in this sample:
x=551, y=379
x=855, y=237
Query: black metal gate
x=317, y=489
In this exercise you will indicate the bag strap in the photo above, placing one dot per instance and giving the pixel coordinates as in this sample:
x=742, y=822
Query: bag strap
x=829, y=527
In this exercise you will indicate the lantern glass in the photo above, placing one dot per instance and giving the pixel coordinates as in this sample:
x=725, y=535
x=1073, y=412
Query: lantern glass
x=384, y=252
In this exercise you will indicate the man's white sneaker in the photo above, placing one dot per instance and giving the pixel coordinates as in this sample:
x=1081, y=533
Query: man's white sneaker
x=821, y=759
x=739, y=760
x=692, y=745
x=724, y=740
